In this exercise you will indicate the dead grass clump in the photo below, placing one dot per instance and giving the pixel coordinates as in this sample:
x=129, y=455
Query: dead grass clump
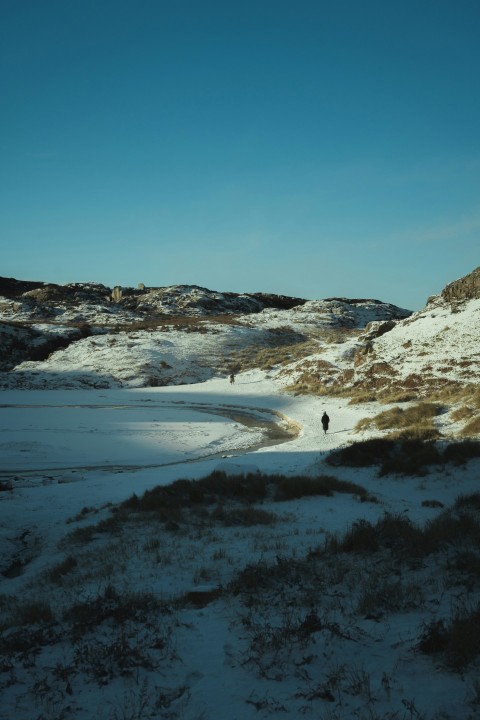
x=357, y=397
x=280, y=348
x=411, y=457
x=382, y=593
x=397, y=395
x=79, y=536
x=208, y=490
x=186, y=323
x=458, y=639
x=461, y=452
x=31, y=612
x=453, y=528
x=472, y=428
x=462, y=413
x=111, y=605
x=416, y=417
x=313, y=375
x=242, y=516
x=403, y=453
x=362, y=454
x=292, y=488
x=264, y=576
x=57, y=573
x=393, y=532
x=468, y=501
x=111, y=525
x=308, y=385
x=453, y=393
x=416, y=432
x=249, y=488
x=399, y=535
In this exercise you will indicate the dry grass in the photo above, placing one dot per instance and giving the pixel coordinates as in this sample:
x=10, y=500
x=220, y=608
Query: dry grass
x=453, y=393
x=357, y=397
x=462, y=413
x=291, y=348
x=380, y=385
x=290, y=488
x=311, y=381
x=471, y=429
x=415, y=422
x=249, y=488
x=188, y=323
x=326, y=381
x=397, y=396
x=457, y=639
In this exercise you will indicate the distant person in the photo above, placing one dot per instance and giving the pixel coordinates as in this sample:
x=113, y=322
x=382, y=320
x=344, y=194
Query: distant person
x=232, y=378
x=325, y=422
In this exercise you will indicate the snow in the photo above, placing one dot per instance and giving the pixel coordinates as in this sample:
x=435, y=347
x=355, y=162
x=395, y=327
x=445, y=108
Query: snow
x=435, y=341
x=70, y=454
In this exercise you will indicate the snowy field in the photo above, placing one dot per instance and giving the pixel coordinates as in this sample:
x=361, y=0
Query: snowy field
x=67, y=456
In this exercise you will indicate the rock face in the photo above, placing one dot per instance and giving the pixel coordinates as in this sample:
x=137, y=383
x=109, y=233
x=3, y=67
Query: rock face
x=466, y=288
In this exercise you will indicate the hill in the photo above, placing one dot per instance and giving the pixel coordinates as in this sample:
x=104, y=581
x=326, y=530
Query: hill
x=87, y=335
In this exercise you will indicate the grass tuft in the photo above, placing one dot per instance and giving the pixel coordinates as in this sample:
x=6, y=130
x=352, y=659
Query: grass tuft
x=457, y=639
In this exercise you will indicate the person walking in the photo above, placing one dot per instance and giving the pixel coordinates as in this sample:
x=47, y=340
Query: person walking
x=325, y=422
x=232, y=378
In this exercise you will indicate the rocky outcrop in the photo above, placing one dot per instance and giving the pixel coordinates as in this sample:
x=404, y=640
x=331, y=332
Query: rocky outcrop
x=465, y=288
x=377, y=329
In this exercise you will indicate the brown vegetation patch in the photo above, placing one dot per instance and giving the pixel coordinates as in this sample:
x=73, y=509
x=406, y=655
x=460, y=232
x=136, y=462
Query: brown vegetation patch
x=472, y=428
x=414, y=422
x=279, y=348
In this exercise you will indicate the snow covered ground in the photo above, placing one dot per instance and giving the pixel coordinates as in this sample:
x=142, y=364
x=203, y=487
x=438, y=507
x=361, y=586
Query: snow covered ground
x=218, y=619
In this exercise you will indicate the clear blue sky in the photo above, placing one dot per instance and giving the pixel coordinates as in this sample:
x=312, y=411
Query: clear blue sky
x=297, y=147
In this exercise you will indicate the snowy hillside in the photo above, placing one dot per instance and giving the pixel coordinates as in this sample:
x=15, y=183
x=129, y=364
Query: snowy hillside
x=161, y=336
x=438, y=345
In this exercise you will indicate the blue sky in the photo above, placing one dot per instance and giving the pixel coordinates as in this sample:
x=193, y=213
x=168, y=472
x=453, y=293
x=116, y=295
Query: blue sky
x=315, y=149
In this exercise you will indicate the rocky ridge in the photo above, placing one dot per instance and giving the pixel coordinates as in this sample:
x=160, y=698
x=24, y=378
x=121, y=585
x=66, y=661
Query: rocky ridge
x=88, y=335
